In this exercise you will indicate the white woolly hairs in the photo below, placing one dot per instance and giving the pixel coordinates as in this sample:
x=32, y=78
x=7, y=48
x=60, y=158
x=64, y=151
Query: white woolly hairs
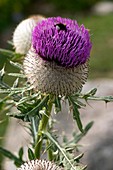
x=23, y=33
x=48, y=77
x=39, y=165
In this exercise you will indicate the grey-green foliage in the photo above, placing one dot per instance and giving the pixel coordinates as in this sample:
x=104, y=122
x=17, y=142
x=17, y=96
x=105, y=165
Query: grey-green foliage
x=33, y=107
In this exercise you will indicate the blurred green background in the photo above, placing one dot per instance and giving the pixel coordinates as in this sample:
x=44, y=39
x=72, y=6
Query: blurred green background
x=101, y=29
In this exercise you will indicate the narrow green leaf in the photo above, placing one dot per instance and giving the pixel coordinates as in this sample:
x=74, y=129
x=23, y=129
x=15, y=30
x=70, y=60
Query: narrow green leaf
x=57, y=102
x=24, y=108
x=2, y=73
x=13, y=90
x=76, y=114
x=25, y=99
x=17, y=65
x=84, y=168
x=11, y=156
x=7, y=52
x=77, y=158
x=79, y=103
x=92, y=92
x=39, y=106
x=76, y=101
x=31, y=155
x=16, y=75
x=17, y=115
x=88, y=126
x=2, y=91
x=15, y=84
x=20, y=153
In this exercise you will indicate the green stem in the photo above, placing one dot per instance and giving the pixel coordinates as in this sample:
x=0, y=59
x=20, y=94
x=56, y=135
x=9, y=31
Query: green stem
x=42, y=128
x=50, y=155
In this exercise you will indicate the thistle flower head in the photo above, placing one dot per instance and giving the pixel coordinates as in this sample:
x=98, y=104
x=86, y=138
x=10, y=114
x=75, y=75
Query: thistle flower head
x=57, y=62
x=39, y=165
x=62, y=40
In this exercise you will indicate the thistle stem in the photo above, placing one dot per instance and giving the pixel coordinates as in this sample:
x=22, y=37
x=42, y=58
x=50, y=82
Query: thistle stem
x=43, y=128
x=50, y=155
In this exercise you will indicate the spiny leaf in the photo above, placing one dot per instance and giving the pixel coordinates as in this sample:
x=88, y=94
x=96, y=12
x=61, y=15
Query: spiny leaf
x=28, y=98
x=92, y=92
x=76, y=114
x=14, y=90
x=15, y=84
x=96, y=98
x=77, y=102
x=6, y=91
x=17, y=65
x=7, y=52
x=39, y=106
x=16, y=75
x=11, y=156
x=50, y=137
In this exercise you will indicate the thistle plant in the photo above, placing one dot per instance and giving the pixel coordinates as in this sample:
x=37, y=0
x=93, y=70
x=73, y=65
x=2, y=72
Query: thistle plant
x=53, y=69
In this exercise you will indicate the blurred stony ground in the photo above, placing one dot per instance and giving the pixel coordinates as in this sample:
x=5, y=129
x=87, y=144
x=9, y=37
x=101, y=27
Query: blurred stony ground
x=101, y=134
x=103, y=8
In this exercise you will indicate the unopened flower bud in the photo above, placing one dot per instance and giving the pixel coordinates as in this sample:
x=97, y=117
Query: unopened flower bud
x=23, y=34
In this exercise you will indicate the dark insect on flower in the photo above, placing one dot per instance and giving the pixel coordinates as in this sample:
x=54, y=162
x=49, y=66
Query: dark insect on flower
x=60, y=26
x=57, y=62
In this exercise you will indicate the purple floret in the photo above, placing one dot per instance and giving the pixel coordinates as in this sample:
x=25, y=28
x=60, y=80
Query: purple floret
x=62, y=40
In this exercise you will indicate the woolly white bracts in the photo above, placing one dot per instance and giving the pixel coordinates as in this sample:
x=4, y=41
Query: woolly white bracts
x=39, y=165
x=23, y=34
x=48, y=77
